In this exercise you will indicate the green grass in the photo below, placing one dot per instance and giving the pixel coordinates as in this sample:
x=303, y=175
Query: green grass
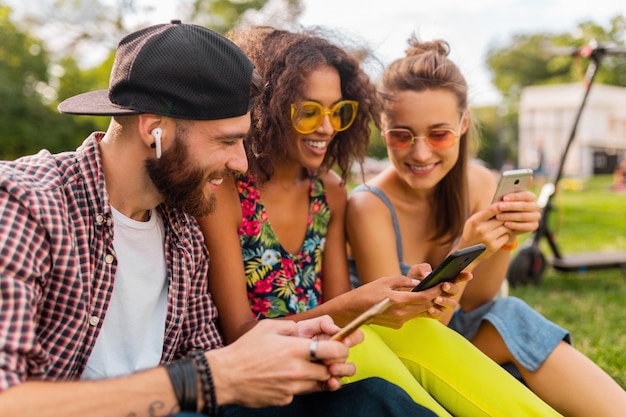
x=592, y=304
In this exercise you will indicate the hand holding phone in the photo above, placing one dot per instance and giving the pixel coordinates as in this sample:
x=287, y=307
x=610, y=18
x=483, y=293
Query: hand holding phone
x=513, y=181
x=451, y=266
x=363, y=318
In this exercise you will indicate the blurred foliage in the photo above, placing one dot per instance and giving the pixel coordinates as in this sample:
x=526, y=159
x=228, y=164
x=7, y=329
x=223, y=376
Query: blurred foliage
x=543, y=58
x=46, y=48
x=547, y=58
x=28, y=122
x=488, y=148
x=222, y=15
x=377, y=148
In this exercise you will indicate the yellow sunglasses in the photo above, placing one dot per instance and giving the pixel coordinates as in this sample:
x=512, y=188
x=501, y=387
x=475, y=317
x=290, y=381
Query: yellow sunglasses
x=308, y=116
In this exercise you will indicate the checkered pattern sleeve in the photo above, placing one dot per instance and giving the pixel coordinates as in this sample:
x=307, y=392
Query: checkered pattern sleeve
x=24, y=253
x=51, y=257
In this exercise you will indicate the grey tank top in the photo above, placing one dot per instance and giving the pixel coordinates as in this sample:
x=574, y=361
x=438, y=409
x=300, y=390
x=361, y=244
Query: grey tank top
x=404, y=267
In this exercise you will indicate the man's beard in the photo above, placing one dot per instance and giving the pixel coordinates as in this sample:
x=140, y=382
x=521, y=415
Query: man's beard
x=181, y=184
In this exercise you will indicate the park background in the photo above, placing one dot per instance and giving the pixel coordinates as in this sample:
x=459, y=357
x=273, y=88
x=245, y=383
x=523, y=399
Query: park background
x=53, y=49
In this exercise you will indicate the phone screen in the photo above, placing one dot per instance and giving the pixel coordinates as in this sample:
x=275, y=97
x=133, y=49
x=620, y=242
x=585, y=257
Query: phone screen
x=451, y=266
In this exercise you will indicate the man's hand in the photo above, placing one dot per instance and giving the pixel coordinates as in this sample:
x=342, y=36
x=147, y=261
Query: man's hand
x=322, y=328
x=272, y=362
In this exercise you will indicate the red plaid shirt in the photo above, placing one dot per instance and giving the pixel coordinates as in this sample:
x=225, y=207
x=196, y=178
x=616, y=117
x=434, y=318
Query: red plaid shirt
x=57, y=267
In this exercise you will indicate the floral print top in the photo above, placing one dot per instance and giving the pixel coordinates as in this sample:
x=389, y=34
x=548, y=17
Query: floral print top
x=279, y=283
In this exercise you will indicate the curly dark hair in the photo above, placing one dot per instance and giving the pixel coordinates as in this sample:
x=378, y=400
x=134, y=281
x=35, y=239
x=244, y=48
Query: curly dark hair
x=426, y=66
x=285, y=58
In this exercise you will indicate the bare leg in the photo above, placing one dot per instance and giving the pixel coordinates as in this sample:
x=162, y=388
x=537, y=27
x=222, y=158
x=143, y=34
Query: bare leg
x=569, y=381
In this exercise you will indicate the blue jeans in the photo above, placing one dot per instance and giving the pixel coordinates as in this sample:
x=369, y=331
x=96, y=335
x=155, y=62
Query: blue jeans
x=372, y=397
x=529, y=336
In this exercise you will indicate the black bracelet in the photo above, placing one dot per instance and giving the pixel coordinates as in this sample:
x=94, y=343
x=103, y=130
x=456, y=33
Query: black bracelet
x=208, y=386
x=184, y=376
x=176, y=380
x=190, y=373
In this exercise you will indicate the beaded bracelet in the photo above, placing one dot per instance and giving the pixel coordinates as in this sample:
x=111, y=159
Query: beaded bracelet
x=208, y=386
x=184, y=377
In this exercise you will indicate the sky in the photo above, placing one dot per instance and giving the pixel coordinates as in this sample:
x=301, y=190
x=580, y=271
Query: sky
x=471, y=27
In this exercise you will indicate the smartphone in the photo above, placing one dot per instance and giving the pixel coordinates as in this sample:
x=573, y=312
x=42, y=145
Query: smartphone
x=451, y=266
x=363, y=318
x=513, y=181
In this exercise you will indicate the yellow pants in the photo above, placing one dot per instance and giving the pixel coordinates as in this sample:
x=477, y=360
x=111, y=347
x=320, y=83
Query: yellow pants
x=443, y=371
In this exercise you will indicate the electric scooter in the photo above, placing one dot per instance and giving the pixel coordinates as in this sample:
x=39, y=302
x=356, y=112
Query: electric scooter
x=528, y=265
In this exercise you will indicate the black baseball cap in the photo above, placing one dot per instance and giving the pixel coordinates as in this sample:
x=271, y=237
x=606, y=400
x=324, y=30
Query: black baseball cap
x=178, y=70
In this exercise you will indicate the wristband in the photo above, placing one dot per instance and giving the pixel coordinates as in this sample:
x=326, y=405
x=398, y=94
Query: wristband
x=184, y=376
x=208, y=386
x=511, y=246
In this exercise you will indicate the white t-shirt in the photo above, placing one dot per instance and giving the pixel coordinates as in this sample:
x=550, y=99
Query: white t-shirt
x=132, y=334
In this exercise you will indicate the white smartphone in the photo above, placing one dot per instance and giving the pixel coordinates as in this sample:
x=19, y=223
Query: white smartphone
x=363, y=318
x=513, y=181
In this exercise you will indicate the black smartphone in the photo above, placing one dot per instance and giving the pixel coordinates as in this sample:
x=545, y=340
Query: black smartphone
x=513, y=181
x=451, y=266
x=363, y=318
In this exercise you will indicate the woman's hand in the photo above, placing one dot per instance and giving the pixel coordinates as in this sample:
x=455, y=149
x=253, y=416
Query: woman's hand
x=519, y=212
x=501, y=222
x=406, y=305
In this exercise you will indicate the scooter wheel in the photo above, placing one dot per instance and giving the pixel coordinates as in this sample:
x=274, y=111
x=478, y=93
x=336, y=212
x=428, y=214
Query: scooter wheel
x=526, y=267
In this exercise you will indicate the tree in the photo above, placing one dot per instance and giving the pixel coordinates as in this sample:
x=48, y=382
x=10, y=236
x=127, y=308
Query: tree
x=536, y=59
x=79, y=26
x=83, y=34
x=27, y=124
x=489, y=150
x=222, y=15
x=84, y=29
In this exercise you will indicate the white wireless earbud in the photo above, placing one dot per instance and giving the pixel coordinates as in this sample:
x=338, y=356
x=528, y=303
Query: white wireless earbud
x=156, y=133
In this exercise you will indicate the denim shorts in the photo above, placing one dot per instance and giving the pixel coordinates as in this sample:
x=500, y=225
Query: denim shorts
x=529, y=336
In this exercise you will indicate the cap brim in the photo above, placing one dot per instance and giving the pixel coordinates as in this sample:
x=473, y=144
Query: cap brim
x=94, y=103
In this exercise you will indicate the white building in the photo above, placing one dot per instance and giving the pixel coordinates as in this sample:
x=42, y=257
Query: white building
x=546, y=118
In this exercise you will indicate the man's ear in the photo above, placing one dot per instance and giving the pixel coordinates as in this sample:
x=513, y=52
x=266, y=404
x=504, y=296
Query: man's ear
x=156, y=134
x=150, y=129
